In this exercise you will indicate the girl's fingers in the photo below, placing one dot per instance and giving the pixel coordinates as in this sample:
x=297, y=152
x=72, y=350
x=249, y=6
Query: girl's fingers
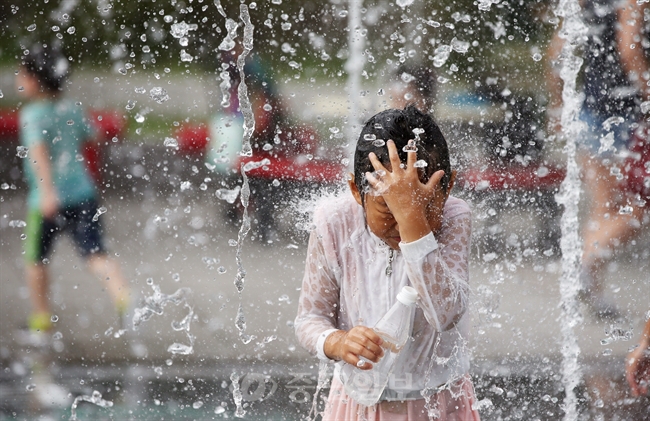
x=393, y=156
x=376, y=164
x=435, y=179
x=411, y=155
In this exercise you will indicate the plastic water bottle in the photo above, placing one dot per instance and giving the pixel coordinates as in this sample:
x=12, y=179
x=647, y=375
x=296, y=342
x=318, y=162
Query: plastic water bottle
x=366, y=386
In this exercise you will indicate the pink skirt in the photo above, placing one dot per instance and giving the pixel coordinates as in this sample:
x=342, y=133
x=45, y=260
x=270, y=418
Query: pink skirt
x=454, y=405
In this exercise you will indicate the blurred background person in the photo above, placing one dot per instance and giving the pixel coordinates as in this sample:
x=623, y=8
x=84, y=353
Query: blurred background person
x=62, y=195
x=611, y=111
x=276, y=136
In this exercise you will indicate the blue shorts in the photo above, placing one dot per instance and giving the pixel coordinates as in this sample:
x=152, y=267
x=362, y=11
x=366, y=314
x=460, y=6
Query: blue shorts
x=78, y=219
x=594, y=132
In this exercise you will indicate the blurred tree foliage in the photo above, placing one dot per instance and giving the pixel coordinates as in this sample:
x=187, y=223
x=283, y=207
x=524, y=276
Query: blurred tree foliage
x=464, y=39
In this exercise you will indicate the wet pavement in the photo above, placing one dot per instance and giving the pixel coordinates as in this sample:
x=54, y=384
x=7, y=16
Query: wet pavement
x=171, y=230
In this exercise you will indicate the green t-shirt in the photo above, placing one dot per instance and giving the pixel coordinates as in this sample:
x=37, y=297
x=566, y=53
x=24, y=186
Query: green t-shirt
x=62, y=126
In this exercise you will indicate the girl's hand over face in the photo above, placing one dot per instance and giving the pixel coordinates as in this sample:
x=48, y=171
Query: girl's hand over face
x=360, y=341
x=415, y=206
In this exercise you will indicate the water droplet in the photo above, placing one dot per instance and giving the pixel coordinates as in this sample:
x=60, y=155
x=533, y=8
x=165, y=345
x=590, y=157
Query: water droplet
x=267, y=107
x=369, y=136
x=607, y=352
x=181, y=29
x=54, y=318
x=219, y=410
x=169, y=362
x=232, y=242
x=71, y=30
x=229, y=195
x=69, y=122
x=1, y=94
x=537, y=57
x=139, y=118
x=168, y=19
x=159, y=95
x=197, y=404
x=334, y=130
x=626, y=210
x=21, y=151
x=379, y=142
x=170, y=142
x=404, y=3
x=30, y=387
x=130, y=104
x=421, y=163
x=381, y=92
x=140, y=90
x=100, y=211
x=176, y=277
x=276, y=1
x=410, y=146
x=645, y=106
x=221, y=270
x=149, y=281
x=57, y=336
x=32, y=27
x=185, y=57
x=23, y=236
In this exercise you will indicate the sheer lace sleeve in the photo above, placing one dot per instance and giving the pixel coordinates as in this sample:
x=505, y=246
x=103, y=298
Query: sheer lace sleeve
x=319, y=298
x=438, y=270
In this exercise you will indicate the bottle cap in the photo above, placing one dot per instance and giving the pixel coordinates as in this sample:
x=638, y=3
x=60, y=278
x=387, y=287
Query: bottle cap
x=407, y=296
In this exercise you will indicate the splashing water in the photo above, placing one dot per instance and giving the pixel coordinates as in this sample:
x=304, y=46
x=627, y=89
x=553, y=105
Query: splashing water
x=100, y=211
x=95, y=399
x=225, y=85
x=240, y=321
x=229, y=195
x=184, y=326
x=242, y=89
x=21, y=151
x=323, y=381
x=243, y=231
x=155, y=303
x=237, y=396
x=573, y=30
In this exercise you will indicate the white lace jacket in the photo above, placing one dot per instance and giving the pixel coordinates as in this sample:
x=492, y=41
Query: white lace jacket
x=346, y=284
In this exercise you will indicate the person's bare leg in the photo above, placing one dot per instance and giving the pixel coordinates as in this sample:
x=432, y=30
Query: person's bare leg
x=108, y=271
x=38, y=284
x=603, y=232
x=603, y=218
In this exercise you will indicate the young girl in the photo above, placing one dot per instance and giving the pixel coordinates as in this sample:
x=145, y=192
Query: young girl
x=61, y=191
x=398, y=227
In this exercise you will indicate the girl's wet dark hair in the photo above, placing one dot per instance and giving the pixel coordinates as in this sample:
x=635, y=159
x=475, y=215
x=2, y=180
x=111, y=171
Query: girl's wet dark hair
x=399, y=125
x=48, y=65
